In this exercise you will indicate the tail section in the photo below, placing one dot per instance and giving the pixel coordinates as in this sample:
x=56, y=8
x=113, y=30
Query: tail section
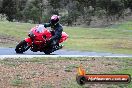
x=64, y=37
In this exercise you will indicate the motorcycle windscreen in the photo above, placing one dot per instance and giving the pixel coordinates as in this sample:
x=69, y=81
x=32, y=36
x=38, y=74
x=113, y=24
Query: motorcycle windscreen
x=40, y=29
x=39, y=32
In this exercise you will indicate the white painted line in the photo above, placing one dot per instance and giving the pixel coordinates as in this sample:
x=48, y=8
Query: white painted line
x=32, y=56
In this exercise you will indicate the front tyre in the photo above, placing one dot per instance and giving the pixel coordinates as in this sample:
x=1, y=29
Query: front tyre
x=22, y=47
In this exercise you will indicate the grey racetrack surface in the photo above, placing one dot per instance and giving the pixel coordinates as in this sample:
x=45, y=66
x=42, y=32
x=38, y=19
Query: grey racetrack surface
x=62, y=53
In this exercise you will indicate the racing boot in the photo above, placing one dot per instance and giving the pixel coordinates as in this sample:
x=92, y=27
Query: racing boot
x=57, y=47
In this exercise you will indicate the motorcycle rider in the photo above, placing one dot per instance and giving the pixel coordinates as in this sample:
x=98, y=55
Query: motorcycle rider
x=56, y=30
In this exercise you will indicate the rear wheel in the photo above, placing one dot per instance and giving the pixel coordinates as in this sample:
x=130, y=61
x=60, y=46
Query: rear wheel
x=22, y=47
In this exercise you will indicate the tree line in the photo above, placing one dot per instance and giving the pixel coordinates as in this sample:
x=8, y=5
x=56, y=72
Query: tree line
x=71, y=11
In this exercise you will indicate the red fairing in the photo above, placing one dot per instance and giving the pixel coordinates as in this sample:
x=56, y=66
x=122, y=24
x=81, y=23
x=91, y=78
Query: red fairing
x=29, y=41
x=38, y=33
x=64, y=37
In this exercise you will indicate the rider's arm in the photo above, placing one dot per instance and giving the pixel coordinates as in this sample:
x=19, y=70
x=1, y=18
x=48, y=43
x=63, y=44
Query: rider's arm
x=47, y=25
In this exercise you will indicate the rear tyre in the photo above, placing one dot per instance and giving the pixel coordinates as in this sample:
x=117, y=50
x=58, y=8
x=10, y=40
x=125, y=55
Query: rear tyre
x=22, y=47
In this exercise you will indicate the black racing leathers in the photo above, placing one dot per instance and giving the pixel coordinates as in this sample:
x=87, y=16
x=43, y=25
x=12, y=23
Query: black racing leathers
x=56, y=31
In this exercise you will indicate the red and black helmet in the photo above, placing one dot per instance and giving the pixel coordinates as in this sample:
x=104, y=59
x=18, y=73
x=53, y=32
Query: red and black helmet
x=54, y=19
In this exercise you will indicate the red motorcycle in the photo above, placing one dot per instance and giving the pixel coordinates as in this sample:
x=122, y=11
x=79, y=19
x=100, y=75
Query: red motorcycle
x=37, y=41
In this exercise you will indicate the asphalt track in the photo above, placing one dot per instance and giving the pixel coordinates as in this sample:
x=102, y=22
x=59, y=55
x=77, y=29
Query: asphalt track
x=10, y=53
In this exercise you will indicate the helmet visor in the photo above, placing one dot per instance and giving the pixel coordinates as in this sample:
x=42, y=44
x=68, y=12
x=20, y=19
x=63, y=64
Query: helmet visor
x=53, y=21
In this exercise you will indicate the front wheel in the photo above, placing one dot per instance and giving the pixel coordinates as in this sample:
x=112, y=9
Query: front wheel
x=22, y=47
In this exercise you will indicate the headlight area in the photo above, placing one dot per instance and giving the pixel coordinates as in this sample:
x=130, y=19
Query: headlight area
x=31, y=34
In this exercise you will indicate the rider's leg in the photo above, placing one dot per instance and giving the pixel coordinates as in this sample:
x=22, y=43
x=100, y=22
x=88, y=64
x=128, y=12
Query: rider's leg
x=55, y=44
x=52, y=32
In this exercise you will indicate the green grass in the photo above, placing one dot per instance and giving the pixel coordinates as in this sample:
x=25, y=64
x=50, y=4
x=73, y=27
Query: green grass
x=122, y=65
x=19, y=82
x=72, y=84
x=15, y=29
x=114, y=39
x=127, y=69
x=110, y=39
x=69, y=68
x=9, y=63
x=47, y=86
